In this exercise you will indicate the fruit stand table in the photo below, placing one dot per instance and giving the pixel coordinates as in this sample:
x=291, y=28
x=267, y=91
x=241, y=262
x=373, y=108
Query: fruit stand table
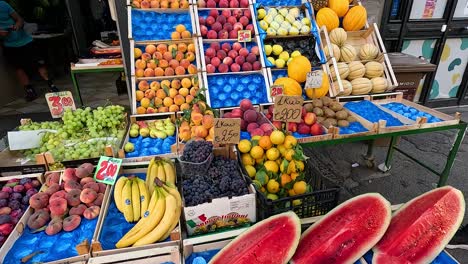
x=443, y=176
x=90, y=69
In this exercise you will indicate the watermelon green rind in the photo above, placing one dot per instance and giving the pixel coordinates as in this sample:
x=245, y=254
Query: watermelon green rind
x=414, y=218
x=273, y=240
x=346, y=233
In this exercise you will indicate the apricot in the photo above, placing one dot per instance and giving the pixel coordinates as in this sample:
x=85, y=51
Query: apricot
x=184, y=92
x=186, y=83
x=168, y=101
x=191, y=47
x=179, y=99
x=154, y=4
x=152, y=64
x=73, y=197
x=169, y=72
x=77, y=210
x=158, y=102
x=201, y=132
x=91, y=212
x=196, y=118
x=208, y=121
x=145, y=4
x=53, y=177
x=184, y=106
x=166, y=84
x=139, y=73
x=137, y=53
x=179, y=56
x=86, y=180
x=155, y=86
x=186, y=34
x=39, y=200
x=180, y=28
x=184, y=4
x=92, y=185
x=150, y=48
x=182, y=47
x=174, y=64
x=190, y=55
x=189, y=98
x=143, y=86
x=38, y=219
x=163, y=109
x=58, y=207
x=141, y=110
x=175, y=84
x=163, y=64
x=175, y=4
x=179, y=70
x=185, y=63
x=172, y=92
x=148, y=73
x=140, y=64
x=174, y=108
x=192, y=69
x=69, y=174
x=72, y=222
x=151, y=110
x=164, y=4
x=172, y=48
x=167, y=56
x=54, y=226
x=185, y=136
x=158, y=72
x=161, y=94
x=53, y=188
x=162, y=48
x=145, y=102
x=72, y=185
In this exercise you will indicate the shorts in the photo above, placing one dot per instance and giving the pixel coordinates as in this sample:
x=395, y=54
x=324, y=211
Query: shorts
x=24, y=57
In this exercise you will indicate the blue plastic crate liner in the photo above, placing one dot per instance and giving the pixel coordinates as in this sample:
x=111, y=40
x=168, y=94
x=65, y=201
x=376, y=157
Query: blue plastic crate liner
x=147, y=25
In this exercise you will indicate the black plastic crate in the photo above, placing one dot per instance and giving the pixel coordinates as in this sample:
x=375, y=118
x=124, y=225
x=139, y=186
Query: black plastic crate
x=320, y=201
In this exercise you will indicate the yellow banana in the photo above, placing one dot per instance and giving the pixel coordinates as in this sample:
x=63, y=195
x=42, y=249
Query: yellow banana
x=148, y=222
x=172, y=189
x=151, y=176
x=161, y=173
x=144, y=196
x=148, y=171
x=166, y=222
x=119, y=185
x=169, y=171
x=136, y=200
x=127, y=201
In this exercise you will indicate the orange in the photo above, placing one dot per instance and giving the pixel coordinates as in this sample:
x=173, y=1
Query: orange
x=288, y=154
x=265, y=142
x=292, y=192
x=257, y=152
x=247, y=159
x=272, y=154
x=277, y=137
x=244, y=146
x=271, y=166
x=294, y=175
x=285, y=179
x=300, y=187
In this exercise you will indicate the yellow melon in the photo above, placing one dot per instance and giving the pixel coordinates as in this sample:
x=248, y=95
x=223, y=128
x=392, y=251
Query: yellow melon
x=328, y=18
x=298, y=68
x=290, y=86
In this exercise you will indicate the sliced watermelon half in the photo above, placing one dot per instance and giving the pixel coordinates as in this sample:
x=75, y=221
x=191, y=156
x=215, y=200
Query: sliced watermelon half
x=421, y=229
x=272, y=240
x=345, y=233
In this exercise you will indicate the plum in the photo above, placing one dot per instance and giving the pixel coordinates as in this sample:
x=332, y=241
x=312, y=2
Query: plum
x=23, y=181
x=14, y=204
x=4, y=202
x=5, y=219
x=16, y=196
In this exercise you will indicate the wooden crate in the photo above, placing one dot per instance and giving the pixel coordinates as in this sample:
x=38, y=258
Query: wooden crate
x=398, y=97
x=136, y=252
x=145, y=255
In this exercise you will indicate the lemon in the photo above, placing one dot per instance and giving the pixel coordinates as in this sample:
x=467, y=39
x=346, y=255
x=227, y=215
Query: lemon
x=271, y=166
x=289, y=142
x=261, y=13
x=268, y=50
x=285, y=179
x=288, y=154
x=297, y=24
x=294, y=175
x=284, y=55
x=272, y=60
x=297, y=202
x=279, y=18
x=290, y=18
x=295, y=54
x=272, y=196
x=300, y=187
x=283, y=11
x=263, y=25
x=277, y=49
x=273, y=186
x=282, y=31
x=305, y=29
x=268, y=18
x=291, y=192
x=277, y=137
x=280, y=63
x=300, y=165
x=256, y=152
x=272, y=12
x=273, y=154
x=259, y=161
x=244, y=146
x=281, y=149
x=293, y=31
x=271, y=32
x=275, y=25
x=285, y=25
x=250, y=171
x=247, y=159
x=306, y=21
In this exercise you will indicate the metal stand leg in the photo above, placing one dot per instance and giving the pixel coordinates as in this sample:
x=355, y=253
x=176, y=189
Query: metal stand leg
x=451, y=157
x=77, y=88
x=369, y=157
x=384, y=167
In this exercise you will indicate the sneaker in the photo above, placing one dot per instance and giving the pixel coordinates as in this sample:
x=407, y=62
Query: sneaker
x=460, y=240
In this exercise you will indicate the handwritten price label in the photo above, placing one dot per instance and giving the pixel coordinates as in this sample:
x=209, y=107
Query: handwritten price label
x=59, y=102
x=276, y=90
x=314, y=79
x=107, y=170
x=227, y=130
x=288, y=108
x=244, y=36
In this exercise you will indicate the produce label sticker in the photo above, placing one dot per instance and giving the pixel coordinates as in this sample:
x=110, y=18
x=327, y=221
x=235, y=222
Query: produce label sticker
x=227, y=130
x=59, y=102
x=276, y=89
x=107, y=170
x=288, y=108
x=314, y=79
x=244, y=36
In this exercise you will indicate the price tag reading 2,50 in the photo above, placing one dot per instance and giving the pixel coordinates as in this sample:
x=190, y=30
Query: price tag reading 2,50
x=288, y=108
x=107, y=170
x=227, y=130
x=58, y=102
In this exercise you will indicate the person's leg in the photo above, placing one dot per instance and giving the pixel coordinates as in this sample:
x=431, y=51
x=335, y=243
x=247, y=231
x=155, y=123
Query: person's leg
x=45, y=76
x=14, y=57
x=39, y=63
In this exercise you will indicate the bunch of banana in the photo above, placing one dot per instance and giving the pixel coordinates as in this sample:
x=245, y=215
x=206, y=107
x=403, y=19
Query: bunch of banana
x=159, y=220
x=162, y=169
x=131, y=197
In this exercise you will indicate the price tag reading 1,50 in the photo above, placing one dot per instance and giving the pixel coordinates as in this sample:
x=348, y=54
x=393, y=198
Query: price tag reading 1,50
x=59, y=102
x=227, y=130
x=288, y=108
x=107, y=170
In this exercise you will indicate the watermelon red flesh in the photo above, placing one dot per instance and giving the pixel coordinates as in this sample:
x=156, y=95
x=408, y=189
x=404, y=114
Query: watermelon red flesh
x=272, y=240
x=421, y=229
x=345, y=233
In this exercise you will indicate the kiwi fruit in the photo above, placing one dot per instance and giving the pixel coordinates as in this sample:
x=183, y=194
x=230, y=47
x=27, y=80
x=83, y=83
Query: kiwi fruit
x=351, y=119
x=331, y=122
x=341, y=115
x=326, y=100
x=320, y=119
x=335, y=106
x=329, y=113
x=309, y=107
x=318, y=111
x=343, y=123
x=317, y=103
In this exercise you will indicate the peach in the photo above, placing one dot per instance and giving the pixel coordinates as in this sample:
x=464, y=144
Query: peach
x=140, y=64
x=182, y=47
x=169, y=72
x=190, y=56
x=87, y=167
x=59, y=194
x=163, y=109
x=208, y=121
x=152, y=64
x=136, y=4
x=53, y=177
x=179, y=56
x=192, y=69
x=184, y=106
x=161, y=94
x=184, y=91
x=191, y=47
x=151, y=110
x=168, y=101
x=167, y=56
x=148, y=73
x=71, y=185
x=140, y=73
x=180, y=70
x=164, y=4
x=58, y=206
x=175, y=84
x=184, y=63
x=39, y=200
x=184, y=4
x=86, y=180
x=91, y=212
x=196, y=118
x=158, y=72
x=146, y=57
x=69, y=174
x=38, y=219
x=155, y=86
x=186, y=34
x=172, y=92
x=201, y=132
x=102, y=187
x=54, y=226
x=141, y=110
x=53, y=188
x=77, y=210
x=162, y=48
x=71, y=222
x=73, y=197
x=154, y=4
x=88, y=195
x=175, y=35
x=142, y=86
x=150, y=94
x=98, y=200
x=92, y=185
x=189, y=98
x=173, y=63
x=172, y=48
x=145, y=4
x=179, y=99
x=157, y=56
x=150, y=48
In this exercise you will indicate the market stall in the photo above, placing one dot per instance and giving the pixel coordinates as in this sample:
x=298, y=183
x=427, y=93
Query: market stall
x=209, y=163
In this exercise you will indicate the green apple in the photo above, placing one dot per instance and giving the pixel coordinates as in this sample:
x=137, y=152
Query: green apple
x=297, y=24
x=274, y=25
x=305, y=30
x=153, y=132
x=290, y=18
x=129, y=147
x=169, y=132
x=144, y=132
x=278, y=18
x=293, y=31
x=271, y=32
x=282, y=31
x=135, y=126
x=272, y=11
x=168, y=121
x=294, y=12
x=161, y=134
x=268, y=18
x=286, y=25
x=261, y=13
x=283, y=11
x=263, y=25
x=133, y=133
x=268, y=50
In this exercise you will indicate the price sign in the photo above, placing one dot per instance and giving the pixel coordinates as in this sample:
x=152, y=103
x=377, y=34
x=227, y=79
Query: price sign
x=288, y=108
x=314, y=79
x=227, y=130
x=244, y=36
x=58, y=102
x=276, y=90
x=107, y=170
